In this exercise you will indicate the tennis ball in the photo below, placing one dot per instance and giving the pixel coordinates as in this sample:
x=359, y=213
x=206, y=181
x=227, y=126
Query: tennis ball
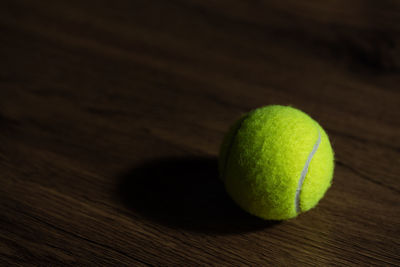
x=276, y=162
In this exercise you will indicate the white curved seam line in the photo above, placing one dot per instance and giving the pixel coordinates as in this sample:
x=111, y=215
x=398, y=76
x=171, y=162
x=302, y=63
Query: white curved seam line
x=304, y=173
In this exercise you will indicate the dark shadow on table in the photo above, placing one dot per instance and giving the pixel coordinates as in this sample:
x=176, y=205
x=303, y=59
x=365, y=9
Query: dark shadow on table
x=185, y=193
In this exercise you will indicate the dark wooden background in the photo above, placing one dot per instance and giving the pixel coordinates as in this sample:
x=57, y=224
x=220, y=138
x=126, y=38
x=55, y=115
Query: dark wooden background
x=112, y=112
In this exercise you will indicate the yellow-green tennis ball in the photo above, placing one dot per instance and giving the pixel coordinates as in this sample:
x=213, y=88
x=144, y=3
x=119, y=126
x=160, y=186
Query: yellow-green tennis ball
x=276, y=162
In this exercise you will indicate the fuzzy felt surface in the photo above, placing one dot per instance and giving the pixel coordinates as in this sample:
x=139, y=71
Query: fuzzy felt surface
x=262, y=158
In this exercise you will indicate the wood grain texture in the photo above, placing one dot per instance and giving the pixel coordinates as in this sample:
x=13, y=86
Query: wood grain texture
x=112, y=112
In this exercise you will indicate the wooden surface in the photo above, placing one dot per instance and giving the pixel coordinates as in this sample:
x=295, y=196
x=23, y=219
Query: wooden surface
x=112, y=112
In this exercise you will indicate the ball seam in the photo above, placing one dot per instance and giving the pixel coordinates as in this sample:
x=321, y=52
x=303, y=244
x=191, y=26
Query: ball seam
x=228, y=151
x=304, y=173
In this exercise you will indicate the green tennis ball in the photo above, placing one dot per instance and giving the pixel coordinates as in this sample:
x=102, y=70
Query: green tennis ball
x=276, y=162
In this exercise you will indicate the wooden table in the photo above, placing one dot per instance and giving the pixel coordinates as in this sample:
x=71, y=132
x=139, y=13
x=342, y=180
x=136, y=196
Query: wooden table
x=112, y=113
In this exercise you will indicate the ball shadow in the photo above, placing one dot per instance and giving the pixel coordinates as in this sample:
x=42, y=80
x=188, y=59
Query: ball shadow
x=185, y=193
